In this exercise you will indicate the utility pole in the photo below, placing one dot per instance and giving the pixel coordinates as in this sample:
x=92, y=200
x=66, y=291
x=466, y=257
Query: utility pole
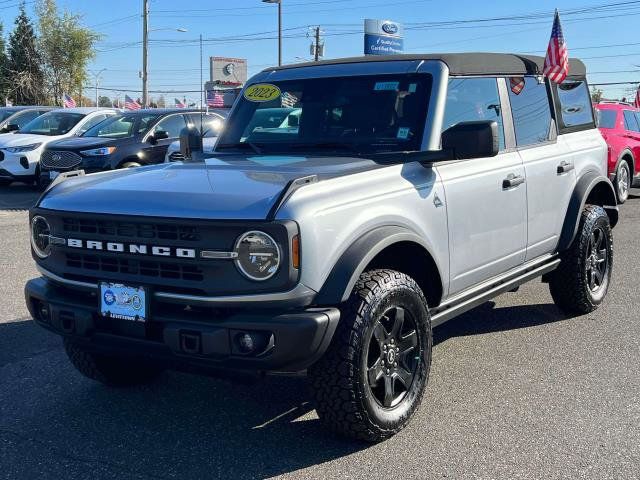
x=145, y=51
x=279, y=2
x=316, y=53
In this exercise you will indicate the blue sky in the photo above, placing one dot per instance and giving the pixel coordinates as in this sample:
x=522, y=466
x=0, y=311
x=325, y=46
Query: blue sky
x=590, y=35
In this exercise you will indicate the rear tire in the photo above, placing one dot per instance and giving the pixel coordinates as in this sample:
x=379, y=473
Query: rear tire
x=371, y=379
x=580, y=283
x=112, y=371
x=623, y=181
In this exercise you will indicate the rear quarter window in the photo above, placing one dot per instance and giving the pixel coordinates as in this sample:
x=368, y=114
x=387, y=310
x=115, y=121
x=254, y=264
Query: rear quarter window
x=606, y=118
x=574, y=101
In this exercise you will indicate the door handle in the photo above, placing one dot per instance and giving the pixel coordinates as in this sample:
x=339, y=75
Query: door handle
x=512, y=181
x=565, y=167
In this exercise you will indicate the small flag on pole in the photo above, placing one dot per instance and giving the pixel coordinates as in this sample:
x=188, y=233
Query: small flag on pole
x=214, y=99
x=67, y=101
x=179, y=104
x=288, y=100
x=130, y=103
x=556, y=63
x=517, y=85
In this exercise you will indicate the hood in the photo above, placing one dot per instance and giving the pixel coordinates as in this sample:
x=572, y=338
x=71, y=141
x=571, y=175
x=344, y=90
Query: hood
x=223, y=188
x=81, y=143
x=20, y=139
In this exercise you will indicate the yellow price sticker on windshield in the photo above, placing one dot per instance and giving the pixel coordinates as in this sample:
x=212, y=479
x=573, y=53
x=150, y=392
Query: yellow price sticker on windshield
x=261, y=92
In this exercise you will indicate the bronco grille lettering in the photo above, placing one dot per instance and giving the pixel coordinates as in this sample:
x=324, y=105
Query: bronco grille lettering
x=132, y=248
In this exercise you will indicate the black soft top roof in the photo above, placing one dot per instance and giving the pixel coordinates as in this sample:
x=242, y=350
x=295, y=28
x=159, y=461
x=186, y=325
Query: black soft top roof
x=462, y=63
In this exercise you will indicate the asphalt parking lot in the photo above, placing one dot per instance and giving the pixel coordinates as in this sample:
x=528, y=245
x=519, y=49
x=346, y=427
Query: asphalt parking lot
x=516, y=391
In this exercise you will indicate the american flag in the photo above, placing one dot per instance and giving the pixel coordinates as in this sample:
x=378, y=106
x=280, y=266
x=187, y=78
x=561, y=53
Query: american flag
x=67, y=101
x=130, y=103
x=636, y=102
x=517, y=85
x=180, y=104
x=214, y=99
x=288, y=100
x=556, y=63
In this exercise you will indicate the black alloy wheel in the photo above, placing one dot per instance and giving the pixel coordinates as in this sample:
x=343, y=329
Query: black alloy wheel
x=391, y=368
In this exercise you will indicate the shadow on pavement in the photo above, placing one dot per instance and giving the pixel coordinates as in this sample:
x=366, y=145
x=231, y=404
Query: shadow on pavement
x=18, y=196
x=488, y=319
x=182, y=426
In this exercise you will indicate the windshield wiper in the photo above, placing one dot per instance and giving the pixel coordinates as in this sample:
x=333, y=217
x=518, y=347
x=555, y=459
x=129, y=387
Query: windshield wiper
x=252, y=146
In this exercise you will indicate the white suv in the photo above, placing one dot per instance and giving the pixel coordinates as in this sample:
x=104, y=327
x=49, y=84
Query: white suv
x=20, y=152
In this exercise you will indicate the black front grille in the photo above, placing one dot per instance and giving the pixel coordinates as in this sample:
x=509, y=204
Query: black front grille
x=176, y=156
x=144, y=268
x=60, y=159
x=140, y=231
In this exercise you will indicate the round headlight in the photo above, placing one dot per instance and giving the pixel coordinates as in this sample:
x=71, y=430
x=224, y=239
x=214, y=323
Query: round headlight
x=258, y=255
x=40, y=232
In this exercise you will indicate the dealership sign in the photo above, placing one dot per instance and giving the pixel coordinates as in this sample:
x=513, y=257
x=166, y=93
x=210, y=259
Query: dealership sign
x=383, y=37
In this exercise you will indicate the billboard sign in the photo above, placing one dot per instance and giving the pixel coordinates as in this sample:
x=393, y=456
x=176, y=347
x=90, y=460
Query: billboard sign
x=230, y=72
x=383, y=37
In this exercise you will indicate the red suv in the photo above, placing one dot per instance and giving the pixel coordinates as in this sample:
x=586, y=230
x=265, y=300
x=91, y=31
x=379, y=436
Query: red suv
x=619, y=124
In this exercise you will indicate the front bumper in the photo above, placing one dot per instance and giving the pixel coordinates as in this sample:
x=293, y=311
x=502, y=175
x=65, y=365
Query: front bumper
x=19, y=165
x=184, y=337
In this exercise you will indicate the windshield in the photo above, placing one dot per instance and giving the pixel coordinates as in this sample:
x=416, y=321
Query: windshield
x=606, y=118
x=370, y=113
x=122, y=126
x=53, y=123
x=4, y=114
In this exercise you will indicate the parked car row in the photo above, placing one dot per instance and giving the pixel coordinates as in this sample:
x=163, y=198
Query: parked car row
x=39, y=143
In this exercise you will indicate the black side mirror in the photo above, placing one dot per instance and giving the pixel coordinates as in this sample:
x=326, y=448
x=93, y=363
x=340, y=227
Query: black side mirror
x=12, y=127
x=191, y=143
x=478, y=139
x=161, y=135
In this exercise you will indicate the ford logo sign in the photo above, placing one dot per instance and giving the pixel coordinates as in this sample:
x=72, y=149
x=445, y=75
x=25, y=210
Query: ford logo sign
x=390, y=28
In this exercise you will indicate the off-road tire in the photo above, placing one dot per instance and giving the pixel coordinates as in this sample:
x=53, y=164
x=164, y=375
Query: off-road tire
x=339, y=381
x=569, y=283
x=112, y=371
x=623, y=181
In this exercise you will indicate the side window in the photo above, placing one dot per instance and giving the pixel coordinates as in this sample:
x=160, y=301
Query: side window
x=470, y=99
x=92, y=122
x=531, y=110
x=25, y=118
x=631, y=121
x=606, y=118
x=173, y=125
x=575, y=104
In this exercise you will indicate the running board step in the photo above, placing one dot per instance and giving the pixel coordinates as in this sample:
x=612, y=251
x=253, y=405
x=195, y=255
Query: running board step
x=448, y=311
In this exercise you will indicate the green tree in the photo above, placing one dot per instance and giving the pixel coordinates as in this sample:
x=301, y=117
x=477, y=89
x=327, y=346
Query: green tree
x=67, y=47
x=596, y=95
x=104, y=101
x=25, y=72
x=4, y=69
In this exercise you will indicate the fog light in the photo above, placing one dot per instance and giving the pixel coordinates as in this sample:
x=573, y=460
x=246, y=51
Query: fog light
x=43, y=312
x=24, y=161
x=246, y=342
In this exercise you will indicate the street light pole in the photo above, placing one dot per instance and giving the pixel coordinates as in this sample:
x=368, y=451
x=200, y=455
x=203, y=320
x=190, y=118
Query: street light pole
x=279, y=2
x=97, y=80
x=145, y=51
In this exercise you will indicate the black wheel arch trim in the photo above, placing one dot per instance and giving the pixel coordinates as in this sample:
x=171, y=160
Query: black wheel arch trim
x=625, y=152
x=353, y=262
x=587, y=182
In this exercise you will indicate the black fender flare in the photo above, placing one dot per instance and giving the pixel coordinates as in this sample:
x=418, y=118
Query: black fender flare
x=587, y=182
x=352, y=263
x=627, y=151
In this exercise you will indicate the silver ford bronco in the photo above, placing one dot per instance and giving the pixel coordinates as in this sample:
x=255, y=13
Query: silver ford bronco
x=350, y=206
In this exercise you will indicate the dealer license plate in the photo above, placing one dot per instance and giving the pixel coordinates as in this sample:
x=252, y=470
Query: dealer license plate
x=123, y=302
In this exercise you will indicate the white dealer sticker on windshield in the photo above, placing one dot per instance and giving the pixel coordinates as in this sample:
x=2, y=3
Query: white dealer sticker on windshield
x=386, y=86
